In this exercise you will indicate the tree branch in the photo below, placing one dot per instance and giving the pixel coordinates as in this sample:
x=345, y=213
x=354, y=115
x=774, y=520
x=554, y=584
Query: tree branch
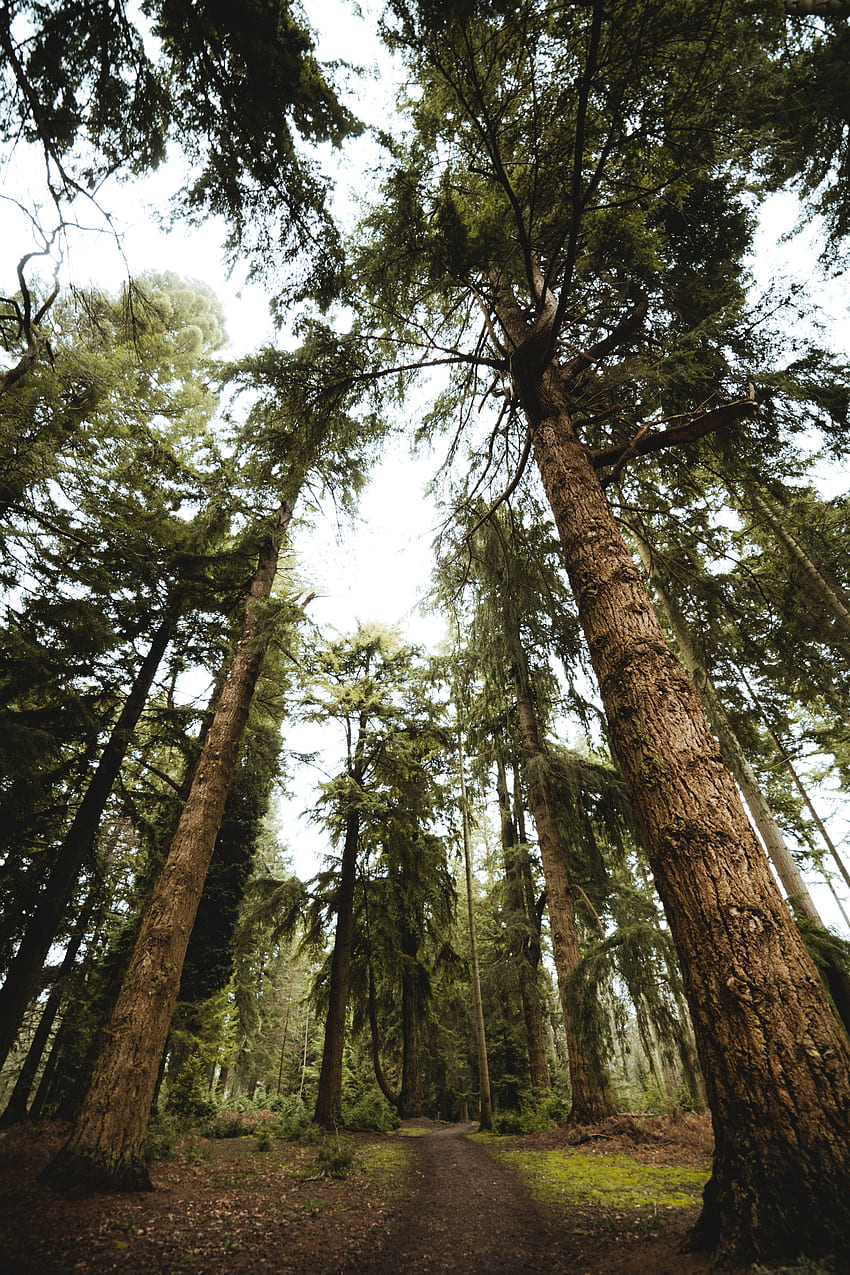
x=644, y=442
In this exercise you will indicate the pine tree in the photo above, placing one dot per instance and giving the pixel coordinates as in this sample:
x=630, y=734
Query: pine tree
x=545, y=189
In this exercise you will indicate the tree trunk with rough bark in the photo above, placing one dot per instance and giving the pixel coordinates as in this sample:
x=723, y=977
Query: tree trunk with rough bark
x=797, y=892
x=775, y=1060
x=105, y=1149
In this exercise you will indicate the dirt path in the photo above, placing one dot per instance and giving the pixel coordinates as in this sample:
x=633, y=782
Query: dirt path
x=468, y=1214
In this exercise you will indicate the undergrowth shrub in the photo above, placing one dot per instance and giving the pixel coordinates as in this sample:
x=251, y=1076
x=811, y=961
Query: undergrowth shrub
x=264, y=1136
x=237, y=1124
x=188, y=1095
x=335, y=1158
x=161, y=1138
x=370, y=1114
x=510, y=1123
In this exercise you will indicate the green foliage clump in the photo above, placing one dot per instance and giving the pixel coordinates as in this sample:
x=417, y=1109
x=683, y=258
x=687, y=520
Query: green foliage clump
x=292, y=1116
x=189, y=1094
x=312, y=1135
x=510, y=1123
x=371, y=1113
x=238, y=1124
x=264, y=1135
x=335, y=1159
x=161, y=1139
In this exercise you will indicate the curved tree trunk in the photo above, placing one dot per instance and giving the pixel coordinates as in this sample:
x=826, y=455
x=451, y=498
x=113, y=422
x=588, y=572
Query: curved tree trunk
x=105, y=1150
x=775, y=1060
x=380, y=1075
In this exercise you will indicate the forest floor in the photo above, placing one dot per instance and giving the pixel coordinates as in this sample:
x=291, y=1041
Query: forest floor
x=615, y=1200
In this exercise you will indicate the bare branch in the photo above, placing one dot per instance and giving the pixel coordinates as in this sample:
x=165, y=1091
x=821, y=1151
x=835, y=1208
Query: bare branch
x=644, y=442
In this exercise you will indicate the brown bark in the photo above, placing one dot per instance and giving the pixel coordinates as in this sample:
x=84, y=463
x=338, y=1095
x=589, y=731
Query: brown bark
x=589, y=1086
x=775, y=1061
x=523, y=939
x=105, y=1149
x=790, y=877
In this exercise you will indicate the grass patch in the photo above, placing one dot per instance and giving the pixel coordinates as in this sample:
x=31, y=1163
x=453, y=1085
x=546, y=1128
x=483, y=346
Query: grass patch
x=558, y=1178
x=387, y=1159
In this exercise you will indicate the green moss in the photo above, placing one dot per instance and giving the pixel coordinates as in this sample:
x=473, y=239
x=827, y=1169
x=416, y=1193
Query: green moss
x=390, y=1159
x=616, y=1181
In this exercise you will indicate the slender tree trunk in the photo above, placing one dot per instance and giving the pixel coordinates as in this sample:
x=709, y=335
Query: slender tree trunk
x=16, y=1108
x=328, y=1112
x=803, y=791
x=827, y=595
x=775, y=1060
x=105, y=1149
x=26, y=967
x=589, y=1086
x=304, y=1053
x=486, y=1099
x=283, y=1045
x=410, y=1104
x=523, y=941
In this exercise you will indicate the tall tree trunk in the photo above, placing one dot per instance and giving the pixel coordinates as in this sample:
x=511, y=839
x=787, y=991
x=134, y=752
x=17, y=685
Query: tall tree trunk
x=796, y=890
x=25, y=968
x=775, y=1060
x=384, y=1085
x=485, y=1111
x=789, y=874
x=410, y=1103
x=523, y=938
x=328, y=1112
x=105, y=1149
x=589, y=1086
x=16, y=1108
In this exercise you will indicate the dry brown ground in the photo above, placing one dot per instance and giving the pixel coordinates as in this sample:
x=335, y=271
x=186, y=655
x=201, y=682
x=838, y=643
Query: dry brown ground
x=222, y=1206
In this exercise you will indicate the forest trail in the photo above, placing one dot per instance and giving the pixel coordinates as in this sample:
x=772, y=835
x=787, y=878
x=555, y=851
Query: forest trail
x=468, y=1214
